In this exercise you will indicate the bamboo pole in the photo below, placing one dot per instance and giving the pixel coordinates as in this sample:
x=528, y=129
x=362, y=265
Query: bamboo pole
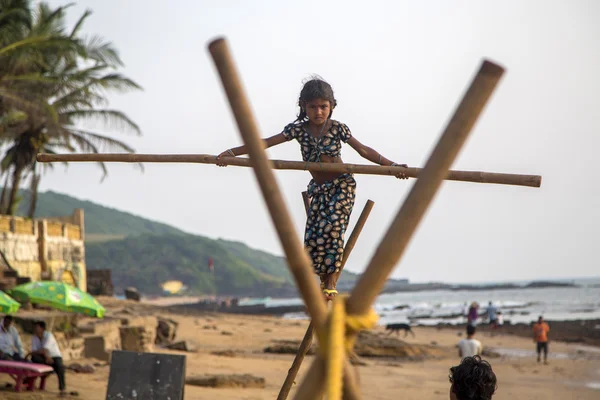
x=398, y=236
x=298, y=260
x=411, y=172
x=308, y=336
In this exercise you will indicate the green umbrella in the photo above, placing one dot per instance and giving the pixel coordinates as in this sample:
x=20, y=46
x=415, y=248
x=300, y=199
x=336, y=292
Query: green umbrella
x=58, y=295
x=7, y=304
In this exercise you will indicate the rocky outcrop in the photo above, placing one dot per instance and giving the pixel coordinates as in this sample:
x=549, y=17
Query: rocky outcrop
x=132, y=293
x=136, y=338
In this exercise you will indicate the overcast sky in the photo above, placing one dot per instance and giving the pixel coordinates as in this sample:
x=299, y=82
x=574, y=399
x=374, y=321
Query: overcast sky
x=398, y=69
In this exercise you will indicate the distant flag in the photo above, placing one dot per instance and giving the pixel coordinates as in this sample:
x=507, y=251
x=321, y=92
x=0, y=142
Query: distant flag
x=211, y=265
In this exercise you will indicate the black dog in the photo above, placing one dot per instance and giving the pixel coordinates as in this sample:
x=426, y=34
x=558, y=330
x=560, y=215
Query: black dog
x=397, y=327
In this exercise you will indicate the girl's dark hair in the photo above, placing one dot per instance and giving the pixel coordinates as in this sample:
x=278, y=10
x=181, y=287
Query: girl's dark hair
x=473, y=379
x=315, y=88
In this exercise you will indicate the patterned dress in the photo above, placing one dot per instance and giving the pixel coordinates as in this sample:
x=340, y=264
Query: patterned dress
x=331, y=203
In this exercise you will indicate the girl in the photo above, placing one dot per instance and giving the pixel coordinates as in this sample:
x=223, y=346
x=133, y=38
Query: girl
x=331, y=194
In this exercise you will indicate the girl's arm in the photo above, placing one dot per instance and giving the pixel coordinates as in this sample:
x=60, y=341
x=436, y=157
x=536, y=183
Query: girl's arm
x=241, y=150
x=372, y=155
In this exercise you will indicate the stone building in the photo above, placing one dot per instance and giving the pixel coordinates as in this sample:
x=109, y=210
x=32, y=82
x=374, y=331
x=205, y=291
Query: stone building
x=43, y=249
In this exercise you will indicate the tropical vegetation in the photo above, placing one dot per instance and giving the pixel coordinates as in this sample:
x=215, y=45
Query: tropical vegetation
x=54, y=87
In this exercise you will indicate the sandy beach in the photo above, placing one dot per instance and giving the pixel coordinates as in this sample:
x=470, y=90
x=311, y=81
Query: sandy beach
x=573, y=372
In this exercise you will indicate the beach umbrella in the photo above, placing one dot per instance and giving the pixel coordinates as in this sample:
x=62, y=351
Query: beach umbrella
x=60, y=296
x=7, y=304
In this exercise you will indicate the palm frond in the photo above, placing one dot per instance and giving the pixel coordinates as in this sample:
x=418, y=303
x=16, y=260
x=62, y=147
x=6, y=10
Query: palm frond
x=104, y=52
x=30, y=103
x=115, y=118
x=12, y=117
x=79, y=23
x=36, y=42
x=103, y=142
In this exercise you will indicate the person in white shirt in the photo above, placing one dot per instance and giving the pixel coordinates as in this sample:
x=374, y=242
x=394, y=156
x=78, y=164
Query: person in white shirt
x=44, y=350
x=469, y=347
x=11, y=348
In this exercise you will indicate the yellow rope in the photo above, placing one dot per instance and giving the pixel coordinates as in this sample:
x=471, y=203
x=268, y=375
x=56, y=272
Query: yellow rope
x=337, y=339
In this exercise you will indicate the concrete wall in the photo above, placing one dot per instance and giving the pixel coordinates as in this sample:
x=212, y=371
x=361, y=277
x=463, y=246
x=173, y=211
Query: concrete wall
x=46, y=249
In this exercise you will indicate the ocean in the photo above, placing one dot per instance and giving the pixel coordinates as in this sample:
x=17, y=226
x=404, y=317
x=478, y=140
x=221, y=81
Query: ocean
x=517, y=305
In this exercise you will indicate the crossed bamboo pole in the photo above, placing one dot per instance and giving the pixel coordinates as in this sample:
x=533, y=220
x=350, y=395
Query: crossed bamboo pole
x=411, y=172
x=308, y=336
x=393, y=245
x=398, y=235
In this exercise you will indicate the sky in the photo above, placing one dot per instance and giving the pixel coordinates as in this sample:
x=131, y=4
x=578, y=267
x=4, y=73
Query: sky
x=398, y=69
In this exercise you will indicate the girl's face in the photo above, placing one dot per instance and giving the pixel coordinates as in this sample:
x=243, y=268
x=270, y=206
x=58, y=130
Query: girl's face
x=318, y=110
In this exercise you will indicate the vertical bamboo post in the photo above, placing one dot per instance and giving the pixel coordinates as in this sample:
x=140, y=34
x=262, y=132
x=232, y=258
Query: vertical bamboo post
x=308, y=336
x=298, y=260
x=397, y=237
x=297, y=257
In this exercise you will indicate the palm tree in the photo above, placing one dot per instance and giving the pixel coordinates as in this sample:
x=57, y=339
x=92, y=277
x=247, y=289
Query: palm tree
x=54, y=84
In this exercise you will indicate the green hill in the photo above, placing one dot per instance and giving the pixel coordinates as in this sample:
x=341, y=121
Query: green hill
x=146, y=261
x=101, y=222
x=145, y=253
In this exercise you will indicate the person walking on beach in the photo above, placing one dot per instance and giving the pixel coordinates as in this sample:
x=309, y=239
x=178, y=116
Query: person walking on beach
x=473, y=379
x=331, y=194
x=492, y=313
x=472, y=315
x=470, y=346
x=540, y=337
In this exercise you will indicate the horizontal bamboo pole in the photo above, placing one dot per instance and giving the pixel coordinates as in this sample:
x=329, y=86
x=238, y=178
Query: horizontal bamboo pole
x=390, y=250
x=411, y=172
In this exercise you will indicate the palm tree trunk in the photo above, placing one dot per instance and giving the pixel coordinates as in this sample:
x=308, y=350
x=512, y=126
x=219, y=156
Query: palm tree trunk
x=35, y=181
x=4, y=198
x=14, y=191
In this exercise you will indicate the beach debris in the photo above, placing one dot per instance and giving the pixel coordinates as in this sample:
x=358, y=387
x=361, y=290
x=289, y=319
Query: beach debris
x=136, y=338
x=224, y=353
x=227, y=381
x=356, y=360
x=82, y=368
x=182, y=345
x=132, y=293
x=166, y=331
x=286, y=347
x=369, y=344
x=267, y=330
x=226, y=333
x=490, y=353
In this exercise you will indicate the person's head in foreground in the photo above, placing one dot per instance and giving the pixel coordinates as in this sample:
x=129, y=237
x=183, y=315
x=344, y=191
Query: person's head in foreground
x=540, y=319
x=473, y=379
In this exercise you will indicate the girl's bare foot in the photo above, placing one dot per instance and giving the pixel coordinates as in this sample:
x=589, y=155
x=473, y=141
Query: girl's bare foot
x=329, y=289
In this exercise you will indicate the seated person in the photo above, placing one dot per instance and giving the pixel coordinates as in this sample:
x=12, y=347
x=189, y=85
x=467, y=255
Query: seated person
x=473, y=379
x=44, y=350
x=11, y=348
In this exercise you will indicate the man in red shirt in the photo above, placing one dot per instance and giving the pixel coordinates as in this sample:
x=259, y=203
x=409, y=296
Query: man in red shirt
x=540, y=337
